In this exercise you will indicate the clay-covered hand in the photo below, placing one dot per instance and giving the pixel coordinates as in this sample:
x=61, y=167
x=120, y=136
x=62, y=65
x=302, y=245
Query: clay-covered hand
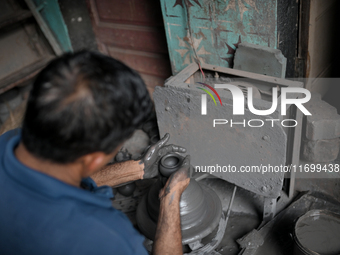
x=178, y=181
x=154, y=154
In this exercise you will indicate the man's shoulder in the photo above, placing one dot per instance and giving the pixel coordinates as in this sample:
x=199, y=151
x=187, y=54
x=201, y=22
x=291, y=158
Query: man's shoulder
x=9, y=134
x=67, y=227
x=106, y=240
x=105, y=232
x=4, y=138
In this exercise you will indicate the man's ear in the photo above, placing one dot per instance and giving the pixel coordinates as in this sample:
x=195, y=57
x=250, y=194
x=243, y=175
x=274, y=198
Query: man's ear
x=93, y=162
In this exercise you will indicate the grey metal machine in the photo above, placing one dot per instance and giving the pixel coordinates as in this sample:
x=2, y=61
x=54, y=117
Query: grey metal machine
x=276, y=143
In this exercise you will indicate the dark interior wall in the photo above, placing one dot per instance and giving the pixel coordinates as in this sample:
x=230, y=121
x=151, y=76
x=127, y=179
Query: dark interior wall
x=335, y=45
x=293, y=25
x=77, y=18
x=333, y=94
x=287, y=28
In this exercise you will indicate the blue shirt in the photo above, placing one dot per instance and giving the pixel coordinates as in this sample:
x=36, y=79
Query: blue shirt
x=42, y=215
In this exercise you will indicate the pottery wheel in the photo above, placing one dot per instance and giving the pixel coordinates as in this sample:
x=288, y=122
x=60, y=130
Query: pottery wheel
x=201, y=212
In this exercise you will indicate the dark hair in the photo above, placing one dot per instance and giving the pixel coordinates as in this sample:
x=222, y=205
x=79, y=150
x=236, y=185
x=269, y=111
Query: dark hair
x=82, y=103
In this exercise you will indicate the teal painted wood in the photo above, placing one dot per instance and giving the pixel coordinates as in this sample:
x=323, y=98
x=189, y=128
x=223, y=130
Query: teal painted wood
x=217, y=27
x=50, y=11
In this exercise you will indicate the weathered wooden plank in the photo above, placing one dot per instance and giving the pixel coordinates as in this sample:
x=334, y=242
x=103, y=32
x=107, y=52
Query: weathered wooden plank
x=192, y=68
x=183, y=75
x=143, y=62
x=22, y=75
x=130, y=12
x=264, y=78
x=44, y=27
x=14, y=18
x=150, y=41
x=51, y=14
x=133, y=32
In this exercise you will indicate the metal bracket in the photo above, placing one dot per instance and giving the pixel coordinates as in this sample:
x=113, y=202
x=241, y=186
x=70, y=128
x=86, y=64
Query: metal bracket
x=208, y=248
x=269, y=209
x=295, y=152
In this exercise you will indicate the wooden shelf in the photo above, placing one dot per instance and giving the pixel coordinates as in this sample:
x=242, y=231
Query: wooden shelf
x=23, y=75
x=15, y=17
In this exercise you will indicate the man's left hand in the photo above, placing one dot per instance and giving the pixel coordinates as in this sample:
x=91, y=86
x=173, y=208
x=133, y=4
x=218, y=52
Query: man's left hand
x=155, y=153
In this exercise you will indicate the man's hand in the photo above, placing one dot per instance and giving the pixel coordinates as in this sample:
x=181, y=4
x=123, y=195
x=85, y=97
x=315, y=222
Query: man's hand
x=154, y=154
x=178, y=181
x=169, y=222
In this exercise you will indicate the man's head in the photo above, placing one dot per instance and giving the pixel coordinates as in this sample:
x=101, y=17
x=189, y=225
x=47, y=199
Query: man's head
x=83, y=103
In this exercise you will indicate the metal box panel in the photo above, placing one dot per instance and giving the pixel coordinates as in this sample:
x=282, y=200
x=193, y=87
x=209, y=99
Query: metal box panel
x=178, y=108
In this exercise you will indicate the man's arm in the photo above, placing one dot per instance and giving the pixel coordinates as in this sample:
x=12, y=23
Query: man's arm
x=144, y=168
x=169, y=222
x=119, y=173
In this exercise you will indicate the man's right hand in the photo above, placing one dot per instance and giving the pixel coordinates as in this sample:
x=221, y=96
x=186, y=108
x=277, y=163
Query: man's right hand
x=178, y=181
x=169, y=222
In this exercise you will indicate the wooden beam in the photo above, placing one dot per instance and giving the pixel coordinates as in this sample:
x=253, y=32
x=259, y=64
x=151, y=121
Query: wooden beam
x=45, y=28
x=23, y=75
x=15, y=17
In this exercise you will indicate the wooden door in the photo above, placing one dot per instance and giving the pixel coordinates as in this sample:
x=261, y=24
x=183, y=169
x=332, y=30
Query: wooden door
x=133, y=32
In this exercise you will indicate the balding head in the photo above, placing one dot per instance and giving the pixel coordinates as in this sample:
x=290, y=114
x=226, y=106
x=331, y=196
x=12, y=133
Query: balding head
x=82, y=103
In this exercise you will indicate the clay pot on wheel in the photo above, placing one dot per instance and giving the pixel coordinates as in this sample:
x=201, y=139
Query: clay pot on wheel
x=200, y=207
